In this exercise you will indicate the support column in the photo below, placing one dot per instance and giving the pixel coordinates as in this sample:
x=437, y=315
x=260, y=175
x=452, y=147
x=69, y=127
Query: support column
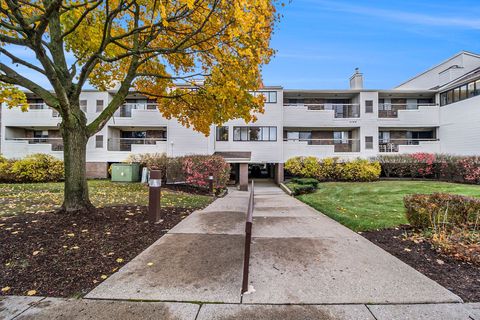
x=243, y=176
x=279, y=174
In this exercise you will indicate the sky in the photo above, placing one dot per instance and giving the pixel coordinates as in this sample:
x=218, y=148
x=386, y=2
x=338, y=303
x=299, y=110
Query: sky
x=319, y=43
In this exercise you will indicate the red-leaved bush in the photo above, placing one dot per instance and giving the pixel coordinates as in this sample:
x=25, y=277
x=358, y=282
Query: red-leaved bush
x=429, y=165
x=424, y=163
x=197, y=169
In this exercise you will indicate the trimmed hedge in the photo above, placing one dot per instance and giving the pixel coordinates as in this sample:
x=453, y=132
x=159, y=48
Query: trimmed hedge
x=441, y=209
x=306, y=181
x=333, y=169
x=34, y=168
x=193, y=170
x=298, y=189
x=434, y=166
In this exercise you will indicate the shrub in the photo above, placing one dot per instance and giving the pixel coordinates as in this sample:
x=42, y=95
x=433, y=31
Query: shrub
x=332, y=169
x=395, y=165
x=441, y=210
x=306, y=167
x=298, y=189
x=359, y=170
x=198, y=168
x=422, y=164
x=329, y=169
x=36, y=168
x=193, y=170
x=6, y=170
x=306, y=181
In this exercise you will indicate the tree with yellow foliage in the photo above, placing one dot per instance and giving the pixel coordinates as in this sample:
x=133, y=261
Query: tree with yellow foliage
x=139, y=45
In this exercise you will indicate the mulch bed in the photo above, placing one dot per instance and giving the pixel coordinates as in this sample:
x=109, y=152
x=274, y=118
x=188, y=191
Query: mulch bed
x=461, y=278
x=68, y=255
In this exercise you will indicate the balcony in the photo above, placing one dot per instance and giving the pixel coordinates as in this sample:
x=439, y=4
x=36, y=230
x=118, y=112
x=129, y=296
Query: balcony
x=138, y=145
x=427, y=114
x=21, y=147
x=43, y=106
x=320, y=148
x=125, y=110
x=409, y=146
x=339, y=110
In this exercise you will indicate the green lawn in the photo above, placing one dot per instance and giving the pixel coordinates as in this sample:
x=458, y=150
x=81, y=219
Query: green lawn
x=375, y=205
x=32, y=197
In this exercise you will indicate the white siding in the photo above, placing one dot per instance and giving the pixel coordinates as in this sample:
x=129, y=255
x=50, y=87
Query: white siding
x=459, y=130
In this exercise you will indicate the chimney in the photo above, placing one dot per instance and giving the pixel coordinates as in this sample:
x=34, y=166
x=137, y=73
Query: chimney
x=356, y=81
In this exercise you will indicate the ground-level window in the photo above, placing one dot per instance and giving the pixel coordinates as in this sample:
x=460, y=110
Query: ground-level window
x=222, y=133
x=254, y=133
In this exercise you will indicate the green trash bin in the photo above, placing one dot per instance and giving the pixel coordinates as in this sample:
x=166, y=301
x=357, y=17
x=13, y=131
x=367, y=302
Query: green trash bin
x=125, y=172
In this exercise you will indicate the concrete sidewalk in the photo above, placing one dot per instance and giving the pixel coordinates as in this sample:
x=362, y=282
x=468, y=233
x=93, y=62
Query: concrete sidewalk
x=200, y=259
x=38, y=308
x=301, y=256
x=303, y=266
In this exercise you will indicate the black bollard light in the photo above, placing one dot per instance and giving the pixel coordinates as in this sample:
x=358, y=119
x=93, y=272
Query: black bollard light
x=154, y=195
x=210, y=182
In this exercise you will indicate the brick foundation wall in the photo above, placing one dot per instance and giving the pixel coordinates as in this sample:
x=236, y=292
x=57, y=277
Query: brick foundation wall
x=97, y=170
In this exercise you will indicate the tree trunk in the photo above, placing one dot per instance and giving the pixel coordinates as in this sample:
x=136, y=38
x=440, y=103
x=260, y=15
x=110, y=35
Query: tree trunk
x=75, y=138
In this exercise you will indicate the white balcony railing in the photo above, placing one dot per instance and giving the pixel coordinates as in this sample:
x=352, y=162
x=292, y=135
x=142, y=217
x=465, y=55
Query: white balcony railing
x=126, y=109
x=390, y=110
x=55, y=143
x=340, y=110
x=339, y=145
x=395, y=145
x=43, y=106
x=126, y=144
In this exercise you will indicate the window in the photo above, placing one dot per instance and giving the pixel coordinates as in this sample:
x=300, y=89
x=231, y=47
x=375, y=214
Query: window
x=463, y=92
x=456, y=94
x=99, y=106
x=299, y=135
x=83, y=105
x=270, y=96
x=40, y=134
x=340, y=137
x=471, y=89
x=99, y=141
x=368, y=142
x=443, y=99
x=254, y=133
x=368, y=106
x=222, y=134
x=383, y=136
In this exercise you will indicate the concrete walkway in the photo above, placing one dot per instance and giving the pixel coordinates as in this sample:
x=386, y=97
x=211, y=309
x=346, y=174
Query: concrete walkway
x=303, y=266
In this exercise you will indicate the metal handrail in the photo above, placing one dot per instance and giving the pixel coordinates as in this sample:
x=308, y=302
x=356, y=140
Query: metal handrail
x=56, y=143
x=248, y=239
x=319, y=104
x=125, y=144
x=340, y=110
x=415, y=105
x=391, y=145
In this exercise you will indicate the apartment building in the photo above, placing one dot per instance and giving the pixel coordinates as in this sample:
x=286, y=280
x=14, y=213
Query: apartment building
x=437, y=111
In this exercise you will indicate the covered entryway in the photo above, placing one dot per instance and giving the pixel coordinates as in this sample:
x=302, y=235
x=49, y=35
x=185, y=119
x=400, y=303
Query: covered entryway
x=243, y=169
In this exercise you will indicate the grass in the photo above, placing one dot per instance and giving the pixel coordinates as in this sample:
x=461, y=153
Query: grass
x=375, y=205
x=34, y=197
